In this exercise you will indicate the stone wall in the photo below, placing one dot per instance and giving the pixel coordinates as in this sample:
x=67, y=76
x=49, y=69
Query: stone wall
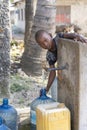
x=4, y=48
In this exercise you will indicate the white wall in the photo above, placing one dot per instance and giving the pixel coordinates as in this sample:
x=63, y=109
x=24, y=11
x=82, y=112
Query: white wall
x=20, y=23
x=78, y=15
x=78, y=12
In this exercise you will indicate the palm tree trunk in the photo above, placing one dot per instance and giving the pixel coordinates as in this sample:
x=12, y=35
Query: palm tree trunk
x=4, y=49
x=44, y=19
x=29, y=16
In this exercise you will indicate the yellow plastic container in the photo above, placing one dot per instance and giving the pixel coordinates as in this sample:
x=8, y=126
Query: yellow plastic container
x=53, y=116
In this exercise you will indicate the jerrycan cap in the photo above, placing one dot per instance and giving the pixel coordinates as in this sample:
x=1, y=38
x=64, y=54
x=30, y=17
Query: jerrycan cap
x=5, y=101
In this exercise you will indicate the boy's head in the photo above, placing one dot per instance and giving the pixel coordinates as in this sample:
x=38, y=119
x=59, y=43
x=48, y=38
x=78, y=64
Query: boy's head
x=44, y=39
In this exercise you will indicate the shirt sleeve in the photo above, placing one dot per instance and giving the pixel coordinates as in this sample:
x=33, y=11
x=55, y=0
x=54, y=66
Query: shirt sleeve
x=61, y=35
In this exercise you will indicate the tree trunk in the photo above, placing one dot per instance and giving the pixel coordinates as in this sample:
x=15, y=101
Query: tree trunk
x=4, y=49
x=44, y=19
x=29, y=18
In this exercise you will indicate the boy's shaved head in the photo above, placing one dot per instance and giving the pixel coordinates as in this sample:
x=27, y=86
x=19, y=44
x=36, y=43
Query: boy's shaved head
x=39, y=33
x=44, y=39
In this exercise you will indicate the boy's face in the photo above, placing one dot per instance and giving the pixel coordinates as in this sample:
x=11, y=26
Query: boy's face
x=45, y=41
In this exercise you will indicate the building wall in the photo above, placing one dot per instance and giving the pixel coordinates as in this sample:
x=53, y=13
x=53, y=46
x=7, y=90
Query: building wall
x=78, y=12
x=78, y=9
x=70, y=2
x=12, y=14
x=19, y=9
x=20, y=16
x=78, y=16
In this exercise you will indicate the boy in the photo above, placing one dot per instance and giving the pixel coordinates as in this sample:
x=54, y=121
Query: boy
x=45, y=40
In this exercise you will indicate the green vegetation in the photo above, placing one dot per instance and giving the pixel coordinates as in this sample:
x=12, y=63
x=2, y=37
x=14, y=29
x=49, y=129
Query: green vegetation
x=19, y=83
x=11, y=1
x=14, y=42
x=21, y=101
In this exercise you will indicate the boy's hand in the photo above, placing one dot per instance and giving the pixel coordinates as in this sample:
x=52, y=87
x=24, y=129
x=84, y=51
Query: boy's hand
x=46, y=90
x=81, y=38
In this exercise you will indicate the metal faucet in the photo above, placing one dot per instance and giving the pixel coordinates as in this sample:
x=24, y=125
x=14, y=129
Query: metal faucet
x=66, y=66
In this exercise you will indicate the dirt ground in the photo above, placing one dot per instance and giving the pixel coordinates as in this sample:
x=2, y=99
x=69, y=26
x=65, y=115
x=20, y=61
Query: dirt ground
x=24, y=89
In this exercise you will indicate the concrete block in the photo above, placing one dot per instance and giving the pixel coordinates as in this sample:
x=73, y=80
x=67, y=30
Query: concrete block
x=72, y=90
x=23, y=116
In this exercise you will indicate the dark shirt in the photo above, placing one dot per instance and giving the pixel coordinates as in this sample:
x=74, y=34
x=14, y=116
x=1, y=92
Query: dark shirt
x=51, y=56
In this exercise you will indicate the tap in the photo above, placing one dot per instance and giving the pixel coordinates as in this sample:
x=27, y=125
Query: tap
x=66, y=66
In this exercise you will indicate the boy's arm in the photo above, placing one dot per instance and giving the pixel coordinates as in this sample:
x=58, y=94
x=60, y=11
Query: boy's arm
x=75, y=36
x=51, y=77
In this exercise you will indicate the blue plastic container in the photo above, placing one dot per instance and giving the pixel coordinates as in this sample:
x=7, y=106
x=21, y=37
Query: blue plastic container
x=42, y=99
x=2, y=125
x=9, y=114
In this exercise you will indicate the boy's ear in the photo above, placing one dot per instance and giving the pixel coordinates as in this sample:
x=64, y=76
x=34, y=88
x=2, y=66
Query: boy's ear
x=50, y=34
